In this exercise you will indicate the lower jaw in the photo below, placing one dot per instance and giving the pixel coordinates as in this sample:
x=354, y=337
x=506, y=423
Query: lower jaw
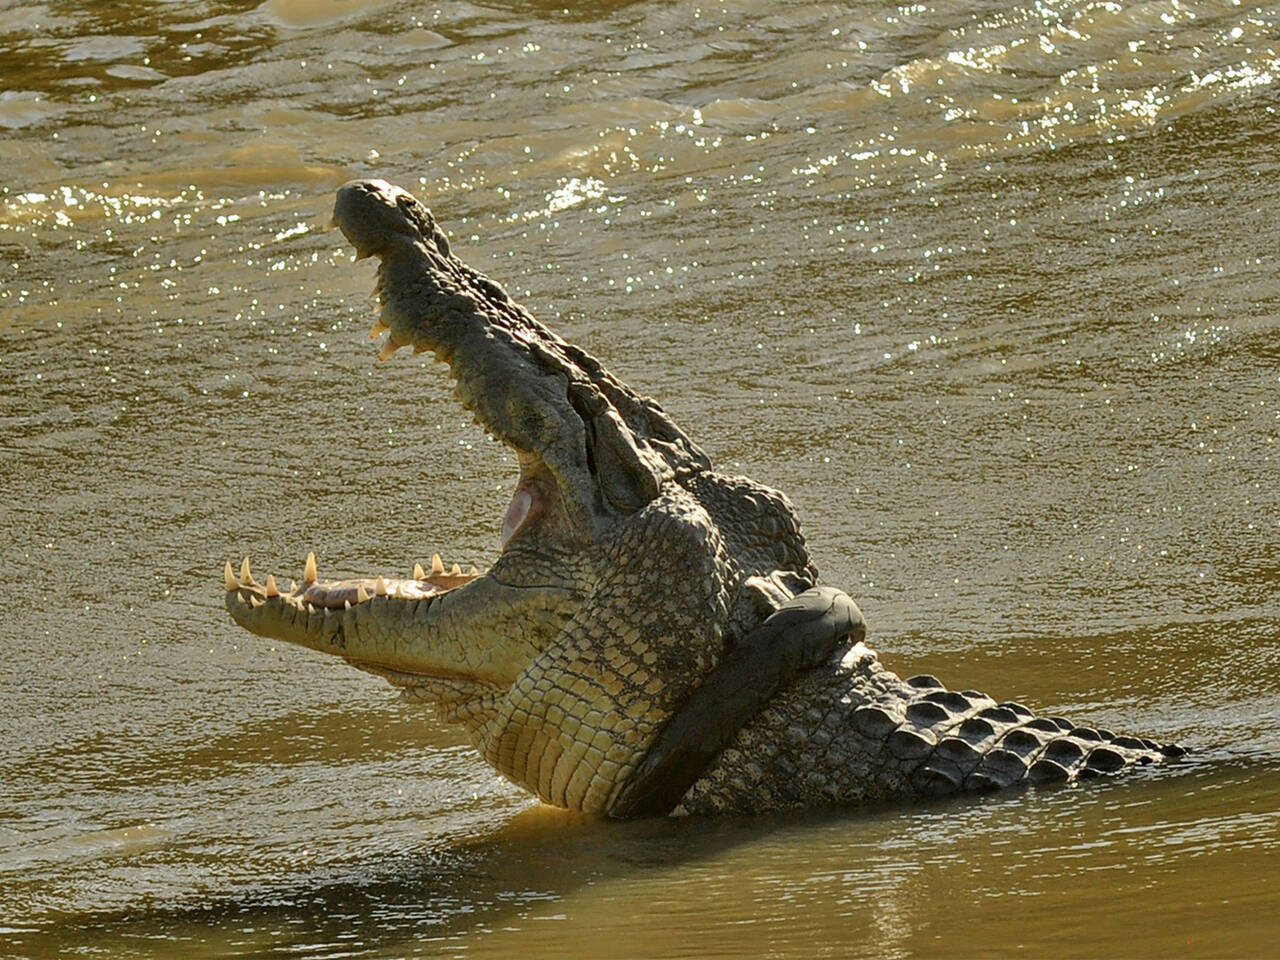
x=456, y=697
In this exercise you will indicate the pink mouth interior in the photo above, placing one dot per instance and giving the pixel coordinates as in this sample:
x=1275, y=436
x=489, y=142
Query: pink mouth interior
x=519, y=512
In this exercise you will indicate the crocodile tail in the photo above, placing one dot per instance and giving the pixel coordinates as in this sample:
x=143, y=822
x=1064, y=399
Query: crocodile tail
x=938, y=741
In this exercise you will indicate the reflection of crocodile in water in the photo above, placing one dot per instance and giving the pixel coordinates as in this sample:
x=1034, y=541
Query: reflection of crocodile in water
x=651, y=637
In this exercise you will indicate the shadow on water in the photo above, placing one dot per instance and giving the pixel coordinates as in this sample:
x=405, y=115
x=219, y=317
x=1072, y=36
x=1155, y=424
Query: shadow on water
x=432, y=894
x=455, y=896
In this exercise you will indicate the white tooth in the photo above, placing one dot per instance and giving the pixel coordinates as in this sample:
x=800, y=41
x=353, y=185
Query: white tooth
x=456, y=571
x=380, y=587
x=418, y=573
x=293, y=586
x=346, y=604
x=309, y=575
x=254, y=601
x=246, y=577
x=232, y=582
x=437, y=565
x=361, y=596
x=379, y=328
x=272, y=590
x=473, y=571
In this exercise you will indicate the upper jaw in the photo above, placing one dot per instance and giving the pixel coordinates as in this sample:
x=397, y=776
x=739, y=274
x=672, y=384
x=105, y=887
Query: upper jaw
x=503, y=361
x=609, y=450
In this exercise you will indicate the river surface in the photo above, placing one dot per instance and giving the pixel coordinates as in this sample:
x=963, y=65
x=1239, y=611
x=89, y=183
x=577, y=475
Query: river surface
x=990, y=289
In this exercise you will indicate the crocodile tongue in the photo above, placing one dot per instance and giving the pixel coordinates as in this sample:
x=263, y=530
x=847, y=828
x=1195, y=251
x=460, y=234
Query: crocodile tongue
x=342, y=594
x=338, y=593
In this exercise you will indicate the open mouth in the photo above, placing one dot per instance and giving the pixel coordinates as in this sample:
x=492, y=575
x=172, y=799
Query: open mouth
x=510, y=375
x=314, y=597
x=317, y=597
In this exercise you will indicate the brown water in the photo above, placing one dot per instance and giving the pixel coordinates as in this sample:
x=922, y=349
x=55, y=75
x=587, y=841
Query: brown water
x=990, y=290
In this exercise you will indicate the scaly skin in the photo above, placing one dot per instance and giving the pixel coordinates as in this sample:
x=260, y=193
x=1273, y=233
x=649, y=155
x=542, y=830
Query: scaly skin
x=637, y=637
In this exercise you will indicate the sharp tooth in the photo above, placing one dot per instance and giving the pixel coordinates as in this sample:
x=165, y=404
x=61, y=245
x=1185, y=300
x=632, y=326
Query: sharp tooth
x=379, y=328
x=418, y=573
x=246, y=577
x=380, y=588
x=272, y=590
x=388, y=349
x=437, y=565
x=456, y=571
x=293, y=586
x=473, y=571
x=361, y=596
x=232, y=582
x=254, y=601
x=346, y=604
x=309, y=574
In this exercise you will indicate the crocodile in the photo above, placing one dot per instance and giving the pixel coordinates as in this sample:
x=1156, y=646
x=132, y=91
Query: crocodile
x=652, y=638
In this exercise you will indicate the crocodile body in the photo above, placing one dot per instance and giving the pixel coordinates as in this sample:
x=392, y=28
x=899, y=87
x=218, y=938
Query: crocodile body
x=653, y=636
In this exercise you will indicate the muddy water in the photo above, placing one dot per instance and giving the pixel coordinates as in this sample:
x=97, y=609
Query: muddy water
x=991, y=290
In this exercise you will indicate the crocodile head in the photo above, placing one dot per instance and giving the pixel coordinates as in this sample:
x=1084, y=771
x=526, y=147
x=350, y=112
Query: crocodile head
x=628, y=567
